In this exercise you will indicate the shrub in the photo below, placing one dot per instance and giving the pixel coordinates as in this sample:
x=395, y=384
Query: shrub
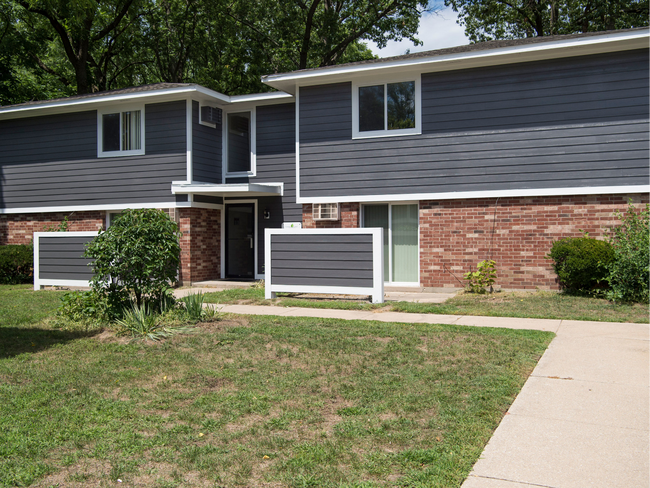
x=195, y=310
x=88, y=307
x=581, y=263
x=628, y=272
x=484, y=276
x=16, y=264
x=138, y=256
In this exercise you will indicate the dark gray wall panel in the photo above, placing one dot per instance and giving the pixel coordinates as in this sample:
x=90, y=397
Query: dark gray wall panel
x=206, y=150
x=61, y=258
x=324, y=259
x=326, y=113
x=52, y=161
x=276, y=162
x=164, y=128
x=574, y=122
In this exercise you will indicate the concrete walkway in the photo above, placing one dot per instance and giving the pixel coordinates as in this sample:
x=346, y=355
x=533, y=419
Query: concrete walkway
x=581, y=420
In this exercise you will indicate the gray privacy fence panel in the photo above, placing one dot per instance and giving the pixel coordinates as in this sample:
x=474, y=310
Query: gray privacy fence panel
x=340, y=261
x=58, y=259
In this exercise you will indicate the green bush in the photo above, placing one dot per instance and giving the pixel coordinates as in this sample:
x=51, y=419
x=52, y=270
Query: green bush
x=87, y=307
x=137, y=257
x=581, y=263
x=629, y=271
x=16, y=264
x=485, y=276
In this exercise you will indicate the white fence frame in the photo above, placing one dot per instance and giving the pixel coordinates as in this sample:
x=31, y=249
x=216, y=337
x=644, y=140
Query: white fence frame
x=376, y=291
x=40, y=283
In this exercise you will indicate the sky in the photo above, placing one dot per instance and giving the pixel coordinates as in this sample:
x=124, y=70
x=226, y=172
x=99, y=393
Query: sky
x=437, y=31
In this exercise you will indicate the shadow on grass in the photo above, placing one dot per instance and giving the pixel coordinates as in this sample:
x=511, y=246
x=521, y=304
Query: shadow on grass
x=15, y=340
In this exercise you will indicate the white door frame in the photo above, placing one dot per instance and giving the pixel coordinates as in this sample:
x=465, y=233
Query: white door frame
x=388, y=279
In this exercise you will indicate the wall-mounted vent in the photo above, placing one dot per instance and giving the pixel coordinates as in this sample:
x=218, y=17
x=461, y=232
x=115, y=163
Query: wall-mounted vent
x=325, y=211
x=211, y=115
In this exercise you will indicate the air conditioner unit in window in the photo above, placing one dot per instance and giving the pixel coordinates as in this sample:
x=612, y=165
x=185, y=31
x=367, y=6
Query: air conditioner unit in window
x=211, y=115
x=325, y=211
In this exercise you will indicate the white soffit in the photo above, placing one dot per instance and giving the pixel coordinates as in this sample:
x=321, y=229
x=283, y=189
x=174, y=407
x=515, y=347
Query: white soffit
x=581, y=46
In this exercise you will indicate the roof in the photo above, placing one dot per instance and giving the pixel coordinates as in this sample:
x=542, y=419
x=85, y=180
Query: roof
x=159, y=91
x=467, y=56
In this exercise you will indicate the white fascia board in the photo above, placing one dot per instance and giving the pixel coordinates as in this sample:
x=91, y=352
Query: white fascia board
x=261, y=97
x=70, y=105
x=87, y=208
x=461, y=195
x=617, y=41
x=183, y=188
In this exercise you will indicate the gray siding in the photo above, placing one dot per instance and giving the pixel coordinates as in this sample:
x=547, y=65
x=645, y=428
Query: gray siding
x=206, y=150
x=576, y=122
x=276, y=162
x=322, y=260
x=61, y=258
x=52, y=161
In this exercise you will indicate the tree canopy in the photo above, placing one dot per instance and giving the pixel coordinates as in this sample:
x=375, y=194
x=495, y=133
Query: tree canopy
x=486, y=20
x=51, y=48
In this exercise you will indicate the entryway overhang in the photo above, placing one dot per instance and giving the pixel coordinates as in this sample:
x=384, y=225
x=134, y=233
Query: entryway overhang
x=229, y=190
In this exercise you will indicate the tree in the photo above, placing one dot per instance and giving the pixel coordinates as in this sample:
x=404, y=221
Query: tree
x=138, y=256
x=88, y=32
x=486, y=20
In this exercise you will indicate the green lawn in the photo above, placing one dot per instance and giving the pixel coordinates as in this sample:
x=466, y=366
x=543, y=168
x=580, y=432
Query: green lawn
x=541, y=305
x=252, y=401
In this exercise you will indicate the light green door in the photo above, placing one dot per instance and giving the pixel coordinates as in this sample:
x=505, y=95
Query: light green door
x=400, y=224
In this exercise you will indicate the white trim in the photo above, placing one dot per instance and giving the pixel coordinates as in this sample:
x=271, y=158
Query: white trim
x=544, y=50
x=253, y=145
x=543, y=192
x=112, y=206
x=255, y=236
x=374, y=81
x=38, y=282
x=68, y=104
x=263, y=189
x=213, y=206
x=119, y=109
x=377, y=289
x=189, y=119
x=297, y=119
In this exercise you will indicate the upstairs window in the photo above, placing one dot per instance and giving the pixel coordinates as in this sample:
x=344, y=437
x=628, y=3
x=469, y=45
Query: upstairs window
x=241, y=143
x=386, y=109
x=120, y=132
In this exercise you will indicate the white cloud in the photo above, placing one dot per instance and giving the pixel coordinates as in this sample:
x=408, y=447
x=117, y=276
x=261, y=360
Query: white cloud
x=436, y=31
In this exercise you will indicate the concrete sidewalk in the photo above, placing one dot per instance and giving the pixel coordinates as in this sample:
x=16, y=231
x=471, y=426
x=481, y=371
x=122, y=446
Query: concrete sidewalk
x=581, y=419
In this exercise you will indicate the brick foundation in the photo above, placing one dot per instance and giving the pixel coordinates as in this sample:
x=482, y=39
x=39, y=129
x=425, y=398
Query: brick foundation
x=350, y=218
x=20, y=228
x=200, y=244
x=455, y=235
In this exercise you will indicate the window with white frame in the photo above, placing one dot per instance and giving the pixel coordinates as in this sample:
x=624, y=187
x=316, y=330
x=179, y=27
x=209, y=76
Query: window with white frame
x=386, y=109
x=325, y=211
x=240, y=143
x=120, y=131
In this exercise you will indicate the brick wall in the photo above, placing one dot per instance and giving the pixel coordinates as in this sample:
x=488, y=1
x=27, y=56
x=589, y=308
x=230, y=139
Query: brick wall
x=200, y=244
x=456, y=235
x=350, y=218
x=20, y=228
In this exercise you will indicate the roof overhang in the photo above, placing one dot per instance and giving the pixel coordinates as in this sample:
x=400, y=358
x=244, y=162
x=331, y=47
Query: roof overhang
x=563, y=48
x=228, y=190
x=195, y=92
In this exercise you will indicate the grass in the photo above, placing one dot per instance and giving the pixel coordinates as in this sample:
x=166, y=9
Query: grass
x=254, y=401
x=540, y=304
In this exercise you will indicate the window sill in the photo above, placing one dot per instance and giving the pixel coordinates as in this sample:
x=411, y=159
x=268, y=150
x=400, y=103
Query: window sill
x=120, y=154
x=380, y=134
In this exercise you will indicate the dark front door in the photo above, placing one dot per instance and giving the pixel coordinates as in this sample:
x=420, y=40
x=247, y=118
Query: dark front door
x=240, y=241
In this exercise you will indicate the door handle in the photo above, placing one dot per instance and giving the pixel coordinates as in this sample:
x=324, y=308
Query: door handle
x=251, y=239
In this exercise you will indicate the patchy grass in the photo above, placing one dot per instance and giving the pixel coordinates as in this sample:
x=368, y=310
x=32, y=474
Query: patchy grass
x=259, y=401
x=541, y=305
x=20, y=305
